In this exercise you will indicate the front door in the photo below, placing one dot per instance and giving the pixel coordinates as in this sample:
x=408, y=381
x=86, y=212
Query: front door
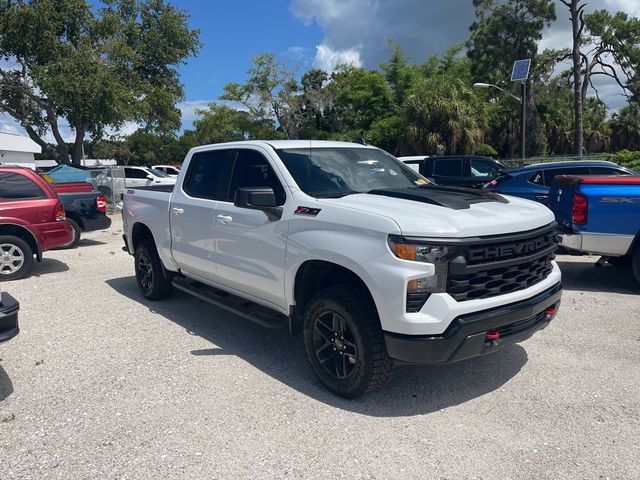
x=250, y=248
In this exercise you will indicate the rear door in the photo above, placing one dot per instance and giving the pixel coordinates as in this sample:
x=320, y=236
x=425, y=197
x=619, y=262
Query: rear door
x=250, y=248
x=192, y=213
x=136, y=177
x=24, y=199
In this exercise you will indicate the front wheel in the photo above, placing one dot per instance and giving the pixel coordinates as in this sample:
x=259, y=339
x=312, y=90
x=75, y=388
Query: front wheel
x=344, y=341
x=150, y=275
x=16, y=258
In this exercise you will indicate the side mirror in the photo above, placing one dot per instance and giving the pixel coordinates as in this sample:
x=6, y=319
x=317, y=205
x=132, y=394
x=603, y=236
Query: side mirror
x=258, y=198
x=150, y=177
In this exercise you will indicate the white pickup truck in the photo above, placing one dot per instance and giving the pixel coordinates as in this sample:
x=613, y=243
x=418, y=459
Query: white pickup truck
x=344, y=243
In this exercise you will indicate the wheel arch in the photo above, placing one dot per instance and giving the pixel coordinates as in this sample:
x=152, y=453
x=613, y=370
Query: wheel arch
x=314, y=275
x=23, y=233
x=139, y=233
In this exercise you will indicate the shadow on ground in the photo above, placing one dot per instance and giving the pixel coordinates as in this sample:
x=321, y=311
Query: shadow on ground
x=585, y=276
x=89, y=242
x=414, y=390
x=48, y=265
x=6, y=386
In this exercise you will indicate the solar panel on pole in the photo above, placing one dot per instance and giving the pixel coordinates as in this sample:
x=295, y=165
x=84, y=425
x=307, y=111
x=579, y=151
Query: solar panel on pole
x=520, y=70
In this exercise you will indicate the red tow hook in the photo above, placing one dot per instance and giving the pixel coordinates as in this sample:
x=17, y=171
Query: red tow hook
x=492, y=335
x=551, y=311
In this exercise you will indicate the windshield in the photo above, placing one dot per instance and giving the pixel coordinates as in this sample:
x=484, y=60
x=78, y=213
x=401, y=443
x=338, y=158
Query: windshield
x=335, y=172
x=157, y=173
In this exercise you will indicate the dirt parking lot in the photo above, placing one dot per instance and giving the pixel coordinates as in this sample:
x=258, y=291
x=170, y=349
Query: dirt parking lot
x=102, y=384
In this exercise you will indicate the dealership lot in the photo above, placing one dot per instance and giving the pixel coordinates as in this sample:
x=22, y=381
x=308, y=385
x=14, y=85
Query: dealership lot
x=101, y=383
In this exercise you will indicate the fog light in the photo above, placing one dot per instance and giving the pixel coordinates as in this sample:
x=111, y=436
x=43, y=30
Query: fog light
x=418, y=292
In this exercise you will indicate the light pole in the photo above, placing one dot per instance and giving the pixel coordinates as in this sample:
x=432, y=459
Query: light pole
x=523, y=110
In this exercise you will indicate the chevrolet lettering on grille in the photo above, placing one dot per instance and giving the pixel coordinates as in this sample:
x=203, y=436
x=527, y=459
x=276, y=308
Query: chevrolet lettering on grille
x=510, y=250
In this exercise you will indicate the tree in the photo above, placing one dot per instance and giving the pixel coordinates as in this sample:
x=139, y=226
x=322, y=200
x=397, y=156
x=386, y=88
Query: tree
x=270, y=92
x=96, y=69
x=221, y=123
x=502, y=33
x=603, y=44
x=625, y=128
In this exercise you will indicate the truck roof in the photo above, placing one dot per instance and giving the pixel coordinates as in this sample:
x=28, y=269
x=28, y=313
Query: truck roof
x=568, y=163
x=279, y=144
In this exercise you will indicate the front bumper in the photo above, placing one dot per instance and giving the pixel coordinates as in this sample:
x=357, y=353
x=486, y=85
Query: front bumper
x=9, y=308
x=466, y=336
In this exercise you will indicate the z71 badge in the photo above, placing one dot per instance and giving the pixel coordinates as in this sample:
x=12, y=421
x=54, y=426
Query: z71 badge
x=307, y=211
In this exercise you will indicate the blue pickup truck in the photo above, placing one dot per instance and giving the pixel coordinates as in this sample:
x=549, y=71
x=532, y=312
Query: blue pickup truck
x=601, y=215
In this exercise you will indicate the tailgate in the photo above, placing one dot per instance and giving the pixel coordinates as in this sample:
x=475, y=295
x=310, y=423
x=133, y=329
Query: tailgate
x=561, y=199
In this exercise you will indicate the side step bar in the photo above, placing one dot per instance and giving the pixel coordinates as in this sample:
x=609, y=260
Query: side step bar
x=236, y=305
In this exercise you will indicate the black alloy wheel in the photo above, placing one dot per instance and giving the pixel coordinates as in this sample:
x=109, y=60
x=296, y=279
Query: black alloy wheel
x=335, y=346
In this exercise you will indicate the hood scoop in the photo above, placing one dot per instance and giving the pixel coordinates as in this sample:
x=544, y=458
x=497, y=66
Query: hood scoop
x=448, y=197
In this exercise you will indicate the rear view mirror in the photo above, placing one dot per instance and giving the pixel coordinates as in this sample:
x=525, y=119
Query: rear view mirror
x=258, y=198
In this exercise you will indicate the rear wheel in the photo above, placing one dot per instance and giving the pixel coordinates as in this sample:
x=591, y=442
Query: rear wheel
x=150, y=275
x=16, y=258
x=77, y=231
x=344, y=341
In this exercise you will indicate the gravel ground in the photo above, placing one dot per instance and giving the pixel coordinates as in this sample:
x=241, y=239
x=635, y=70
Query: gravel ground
x=101, y=384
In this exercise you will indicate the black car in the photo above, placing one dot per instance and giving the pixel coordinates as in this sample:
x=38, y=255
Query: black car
x=9, y=308
x=456, y=170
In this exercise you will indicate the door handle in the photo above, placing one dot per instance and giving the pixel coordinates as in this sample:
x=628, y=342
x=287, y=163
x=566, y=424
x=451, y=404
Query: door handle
x=224, y=219
x=177, y=211
x=542, y=197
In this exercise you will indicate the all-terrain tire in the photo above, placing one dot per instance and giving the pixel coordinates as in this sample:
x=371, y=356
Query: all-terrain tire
x=359, y=363
x=16, y=257
x=150, y=275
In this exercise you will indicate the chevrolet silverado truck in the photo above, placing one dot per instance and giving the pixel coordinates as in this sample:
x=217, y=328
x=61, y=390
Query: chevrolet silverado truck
x=350, y=247
x=600, y=215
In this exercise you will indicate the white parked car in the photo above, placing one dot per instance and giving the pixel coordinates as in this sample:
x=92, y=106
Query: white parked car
x=146, y=177
x=170, y=170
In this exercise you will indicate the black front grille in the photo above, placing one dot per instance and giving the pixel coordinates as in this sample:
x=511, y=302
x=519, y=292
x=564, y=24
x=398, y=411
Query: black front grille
x=473, y=277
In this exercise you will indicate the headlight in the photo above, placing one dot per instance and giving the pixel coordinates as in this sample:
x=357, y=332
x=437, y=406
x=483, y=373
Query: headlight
x=419, y=290
x=419, y=252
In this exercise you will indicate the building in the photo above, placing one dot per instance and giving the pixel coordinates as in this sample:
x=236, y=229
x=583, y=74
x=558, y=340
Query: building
x=18, y=150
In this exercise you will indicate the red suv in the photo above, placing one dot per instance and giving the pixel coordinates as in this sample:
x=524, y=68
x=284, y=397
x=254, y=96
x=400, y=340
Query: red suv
x=32, y=220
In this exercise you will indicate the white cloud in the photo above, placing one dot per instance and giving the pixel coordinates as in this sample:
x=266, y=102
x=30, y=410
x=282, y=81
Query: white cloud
x=188, y=109
x=328, y=59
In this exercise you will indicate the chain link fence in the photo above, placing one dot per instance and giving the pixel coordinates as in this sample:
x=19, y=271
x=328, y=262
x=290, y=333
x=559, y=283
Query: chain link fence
x=109, y=181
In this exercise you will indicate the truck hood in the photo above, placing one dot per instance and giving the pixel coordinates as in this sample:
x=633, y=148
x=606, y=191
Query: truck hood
x=416, y=218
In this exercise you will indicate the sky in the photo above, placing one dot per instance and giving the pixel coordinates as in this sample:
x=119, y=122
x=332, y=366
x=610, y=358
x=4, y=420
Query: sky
x=324, y=33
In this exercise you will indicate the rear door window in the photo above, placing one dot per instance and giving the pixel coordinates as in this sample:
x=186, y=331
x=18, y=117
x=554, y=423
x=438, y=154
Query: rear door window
x=14, y=186
x=208, y=174
x=606, y=171
x=550, y=174
x=448, y=168
x=134, y=173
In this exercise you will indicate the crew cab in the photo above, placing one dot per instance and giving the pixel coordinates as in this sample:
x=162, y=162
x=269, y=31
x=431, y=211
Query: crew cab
x=601, y=215
x=347, y=245
x=32, y=221
x=456, y=170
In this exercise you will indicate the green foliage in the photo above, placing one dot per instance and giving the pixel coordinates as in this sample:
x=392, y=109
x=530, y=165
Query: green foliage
x=486, y=150
x=626, y=158
x=625, y=128
x=96, y=68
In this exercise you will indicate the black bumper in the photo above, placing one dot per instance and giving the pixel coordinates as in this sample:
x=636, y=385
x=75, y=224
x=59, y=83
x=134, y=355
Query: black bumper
x=9, y=308
x=99, y=222
x=467, y=337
